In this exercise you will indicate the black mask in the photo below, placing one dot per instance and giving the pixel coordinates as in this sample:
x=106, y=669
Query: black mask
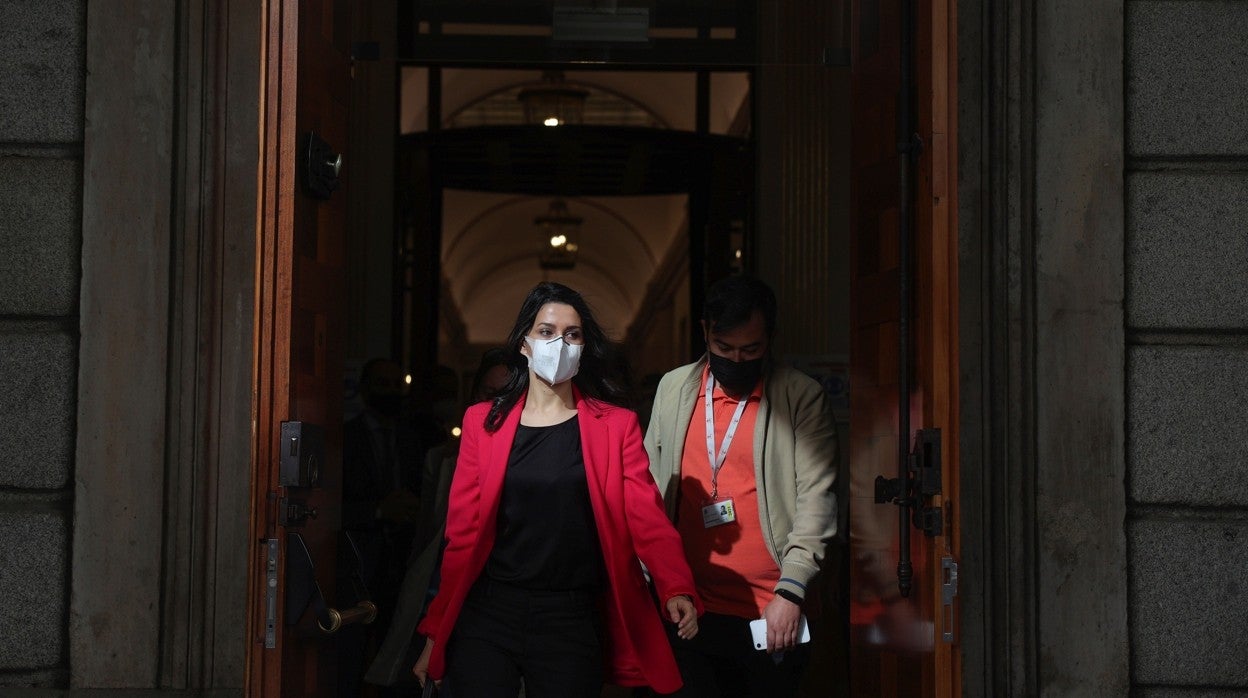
x=737, y=377
x=386, y=405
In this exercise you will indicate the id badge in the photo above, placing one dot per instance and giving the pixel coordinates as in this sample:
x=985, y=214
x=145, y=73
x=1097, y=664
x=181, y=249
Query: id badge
x=718, y=513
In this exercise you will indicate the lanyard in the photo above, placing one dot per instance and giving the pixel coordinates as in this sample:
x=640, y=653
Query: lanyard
x=717, y=461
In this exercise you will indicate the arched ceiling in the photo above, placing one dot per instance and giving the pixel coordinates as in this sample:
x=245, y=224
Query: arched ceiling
x=490, y=244
x=669, y=95
x=490, y=249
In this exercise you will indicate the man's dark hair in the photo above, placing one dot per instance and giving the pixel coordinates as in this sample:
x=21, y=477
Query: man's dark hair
x=732, y=301
x=494, y=356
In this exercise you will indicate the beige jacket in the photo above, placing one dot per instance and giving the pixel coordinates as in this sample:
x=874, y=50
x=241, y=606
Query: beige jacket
x=795, y=459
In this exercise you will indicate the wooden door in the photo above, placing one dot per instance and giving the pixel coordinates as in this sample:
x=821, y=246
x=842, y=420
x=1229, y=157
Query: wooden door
x=903, y=645
x=299, y=347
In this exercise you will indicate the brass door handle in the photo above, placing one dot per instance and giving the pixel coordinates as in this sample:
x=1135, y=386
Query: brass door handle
x=364, y=612
x=303, y=593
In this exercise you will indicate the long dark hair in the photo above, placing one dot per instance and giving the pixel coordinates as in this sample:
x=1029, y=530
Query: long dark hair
x=598, y=376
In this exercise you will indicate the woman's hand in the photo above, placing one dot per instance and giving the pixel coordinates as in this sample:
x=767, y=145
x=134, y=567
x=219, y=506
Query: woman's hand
x=680, y=611
x=421, y=669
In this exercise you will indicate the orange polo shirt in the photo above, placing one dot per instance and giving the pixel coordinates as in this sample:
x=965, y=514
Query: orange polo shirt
x=732, y=568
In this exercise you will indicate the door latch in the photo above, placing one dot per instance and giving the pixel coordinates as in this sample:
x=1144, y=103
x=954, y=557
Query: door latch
x=925, y=467
x=948, y=591
x=302, y=451
x=294, y=512
x=923, y=480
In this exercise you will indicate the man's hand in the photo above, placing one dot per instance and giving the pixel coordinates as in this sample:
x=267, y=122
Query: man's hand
x=680, y=611
x=400, y=506
x=783, y=621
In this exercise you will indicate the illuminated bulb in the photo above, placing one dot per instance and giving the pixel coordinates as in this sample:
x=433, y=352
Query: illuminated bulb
x=551, y=121
x=407, y=379
x=558, y=240
x=571, y=247
x=738, y=254
x=456, y=431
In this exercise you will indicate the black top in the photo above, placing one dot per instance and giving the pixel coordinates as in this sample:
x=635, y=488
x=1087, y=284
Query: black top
x=547, y=538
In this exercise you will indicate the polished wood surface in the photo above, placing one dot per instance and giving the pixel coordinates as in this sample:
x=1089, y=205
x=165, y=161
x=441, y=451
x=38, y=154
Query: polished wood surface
x=896, y=642
x=300, y=290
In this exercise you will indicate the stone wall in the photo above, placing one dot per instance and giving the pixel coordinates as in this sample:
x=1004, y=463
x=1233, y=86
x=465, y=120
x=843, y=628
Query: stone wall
x=1187, y=344
x=42, y=49
x=1074, y=271
x=41, y=93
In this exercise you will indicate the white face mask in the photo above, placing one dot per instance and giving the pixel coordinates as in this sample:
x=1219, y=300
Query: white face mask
x=554, y=360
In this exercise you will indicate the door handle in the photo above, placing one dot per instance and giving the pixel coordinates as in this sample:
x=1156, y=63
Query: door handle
x=302, y=591
x=364, y=612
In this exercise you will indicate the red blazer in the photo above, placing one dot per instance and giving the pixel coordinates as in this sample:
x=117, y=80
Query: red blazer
x=631, y=524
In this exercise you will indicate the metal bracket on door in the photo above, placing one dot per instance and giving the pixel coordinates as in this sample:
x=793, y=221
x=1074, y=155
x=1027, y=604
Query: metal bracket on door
x=302, y=451
x=293, y=513
x=923, y=480
x=320, y=166
x=948, y=591
x=925, y=466
x=919, y=478
x=270, y=594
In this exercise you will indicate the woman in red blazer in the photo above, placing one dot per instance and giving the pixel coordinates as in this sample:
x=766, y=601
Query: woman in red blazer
x=551, y=507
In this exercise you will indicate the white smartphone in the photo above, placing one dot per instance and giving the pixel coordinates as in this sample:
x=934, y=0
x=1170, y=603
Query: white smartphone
x=758, y=630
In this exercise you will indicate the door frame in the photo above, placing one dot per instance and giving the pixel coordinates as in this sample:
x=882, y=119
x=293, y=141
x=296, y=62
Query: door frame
x=905, y=365
x=1041, y=234
x=160, y=492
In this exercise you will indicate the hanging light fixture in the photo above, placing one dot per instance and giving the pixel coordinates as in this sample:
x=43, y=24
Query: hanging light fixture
x=560, y=234
x=553, y=102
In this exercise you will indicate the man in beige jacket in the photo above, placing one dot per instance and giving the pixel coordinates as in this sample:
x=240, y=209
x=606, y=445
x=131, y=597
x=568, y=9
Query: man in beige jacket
x=744, y=452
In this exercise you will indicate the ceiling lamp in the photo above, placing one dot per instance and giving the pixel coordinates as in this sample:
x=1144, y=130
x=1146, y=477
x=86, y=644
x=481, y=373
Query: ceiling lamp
x=560, y=233
x=553, y=102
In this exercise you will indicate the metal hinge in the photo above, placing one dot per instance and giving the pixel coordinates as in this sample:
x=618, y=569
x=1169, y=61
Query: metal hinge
x=948, y=592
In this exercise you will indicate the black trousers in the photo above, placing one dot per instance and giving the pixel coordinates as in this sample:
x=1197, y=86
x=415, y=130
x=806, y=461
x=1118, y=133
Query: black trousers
x=551, y=639
x=721, y=662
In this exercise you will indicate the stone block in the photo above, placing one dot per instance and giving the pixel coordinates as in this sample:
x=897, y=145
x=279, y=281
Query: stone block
x=33, y=684
x=1152, y=692
x=1187, y=78
x=34, y=553
x=1187, y=413
x=1189, y=602
x=38, y=369
x=1187, y=250
x=43, y=49
x=40, y=227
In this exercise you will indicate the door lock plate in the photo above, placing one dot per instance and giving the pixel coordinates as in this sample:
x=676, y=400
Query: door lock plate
x=948, y=592
x=270, y=594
